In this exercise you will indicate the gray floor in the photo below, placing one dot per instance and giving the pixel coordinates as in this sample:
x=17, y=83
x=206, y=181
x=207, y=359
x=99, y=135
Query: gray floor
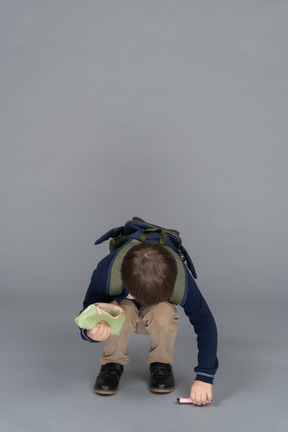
x=48, y=374
x=172, y=110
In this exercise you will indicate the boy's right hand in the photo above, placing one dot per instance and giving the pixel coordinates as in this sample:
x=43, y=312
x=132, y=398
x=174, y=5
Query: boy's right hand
x=100, y=332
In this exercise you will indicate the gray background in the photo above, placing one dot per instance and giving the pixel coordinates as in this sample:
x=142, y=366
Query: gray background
x=175, y=111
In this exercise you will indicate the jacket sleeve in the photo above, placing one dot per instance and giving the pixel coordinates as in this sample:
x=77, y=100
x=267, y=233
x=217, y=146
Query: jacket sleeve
x=201, y=318
x=97, y=291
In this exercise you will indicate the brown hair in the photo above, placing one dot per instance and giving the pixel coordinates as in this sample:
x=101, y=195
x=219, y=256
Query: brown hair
x=149, y=273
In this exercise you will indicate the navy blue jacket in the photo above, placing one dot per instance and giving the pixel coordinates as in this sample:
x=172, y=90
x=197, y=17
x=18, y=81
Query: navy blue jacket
x=194, y=305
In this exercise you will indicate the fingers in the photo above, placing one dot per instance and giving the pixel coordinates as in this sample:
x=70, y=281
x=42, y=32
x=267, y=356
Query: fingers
x=100, y=332
x=209, y=397
x=200, y=399
x=201, y=393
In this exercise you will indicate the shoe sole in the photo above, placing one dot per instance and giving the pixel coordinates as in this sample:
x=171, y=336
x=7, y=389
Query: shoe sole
x=107, y=393
x=156, y=390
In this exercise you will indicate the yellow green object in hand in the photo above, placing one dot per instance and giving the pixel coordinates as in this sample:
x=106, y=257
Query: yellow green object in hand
x=95, y=313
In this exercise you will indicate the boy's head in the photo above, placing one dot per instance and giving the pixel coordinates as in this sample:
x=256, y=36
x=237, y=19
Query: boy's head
x=149, y=273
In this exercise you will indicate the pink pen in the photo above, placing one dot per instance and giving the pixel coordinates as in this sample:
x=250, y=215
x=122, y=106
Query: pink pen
x=187, y=401
x=184, y=401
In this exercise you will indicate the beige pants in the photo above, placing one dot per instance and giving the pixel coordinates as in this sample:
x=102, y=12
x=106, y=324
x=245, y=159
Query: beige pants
x=159, y=322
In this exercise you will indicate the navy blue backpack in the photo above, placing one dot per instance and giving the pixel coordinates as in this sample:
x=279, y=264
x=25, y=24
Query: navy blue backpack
x=138, y=229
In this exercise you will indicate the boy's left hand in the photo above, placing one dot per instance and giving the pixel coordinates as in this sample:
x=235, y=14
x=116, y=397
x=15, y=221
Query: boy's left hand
x=201, y=393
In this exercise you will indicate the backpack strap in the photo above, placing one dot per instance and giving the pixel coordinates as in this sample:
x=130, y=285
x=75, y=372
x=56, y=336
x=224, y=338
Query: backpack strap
x=189, y=262
x=180, y=282
x=162, y=238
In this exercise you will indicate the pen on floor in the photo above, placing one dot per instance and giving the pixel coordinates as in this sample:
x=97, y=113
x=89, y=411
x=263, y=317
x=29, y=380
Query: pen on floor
x=187, y=401
x=184, y=401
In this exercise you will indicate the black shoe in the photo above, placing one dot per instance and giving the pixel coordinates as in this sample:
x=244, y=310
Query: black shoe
x=161, y=378
x=108, y=379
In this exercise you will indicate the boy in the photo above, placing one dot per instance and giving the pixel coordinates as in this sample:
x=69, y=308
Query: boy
x=149, y=273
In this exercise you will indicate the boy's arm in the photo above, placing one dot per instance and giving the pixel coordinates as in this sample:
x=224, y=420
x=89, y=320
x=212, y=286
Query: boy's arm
x=97, y=289
x=96, y=293
x=201, y=318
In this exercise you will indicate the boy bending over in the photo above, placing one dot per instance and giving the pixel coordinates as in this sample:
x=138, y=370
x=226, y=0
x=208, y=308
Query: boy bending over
x=148, y=275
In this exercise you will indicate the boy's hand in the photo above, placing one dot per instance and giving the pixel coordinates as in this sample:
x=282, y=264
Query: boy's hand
x=201, y=393
x=100, y=332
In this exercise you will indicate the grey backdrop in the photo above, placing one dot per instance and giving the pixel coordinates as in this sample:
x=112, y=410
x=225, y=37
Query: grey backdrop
x=175, y=111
